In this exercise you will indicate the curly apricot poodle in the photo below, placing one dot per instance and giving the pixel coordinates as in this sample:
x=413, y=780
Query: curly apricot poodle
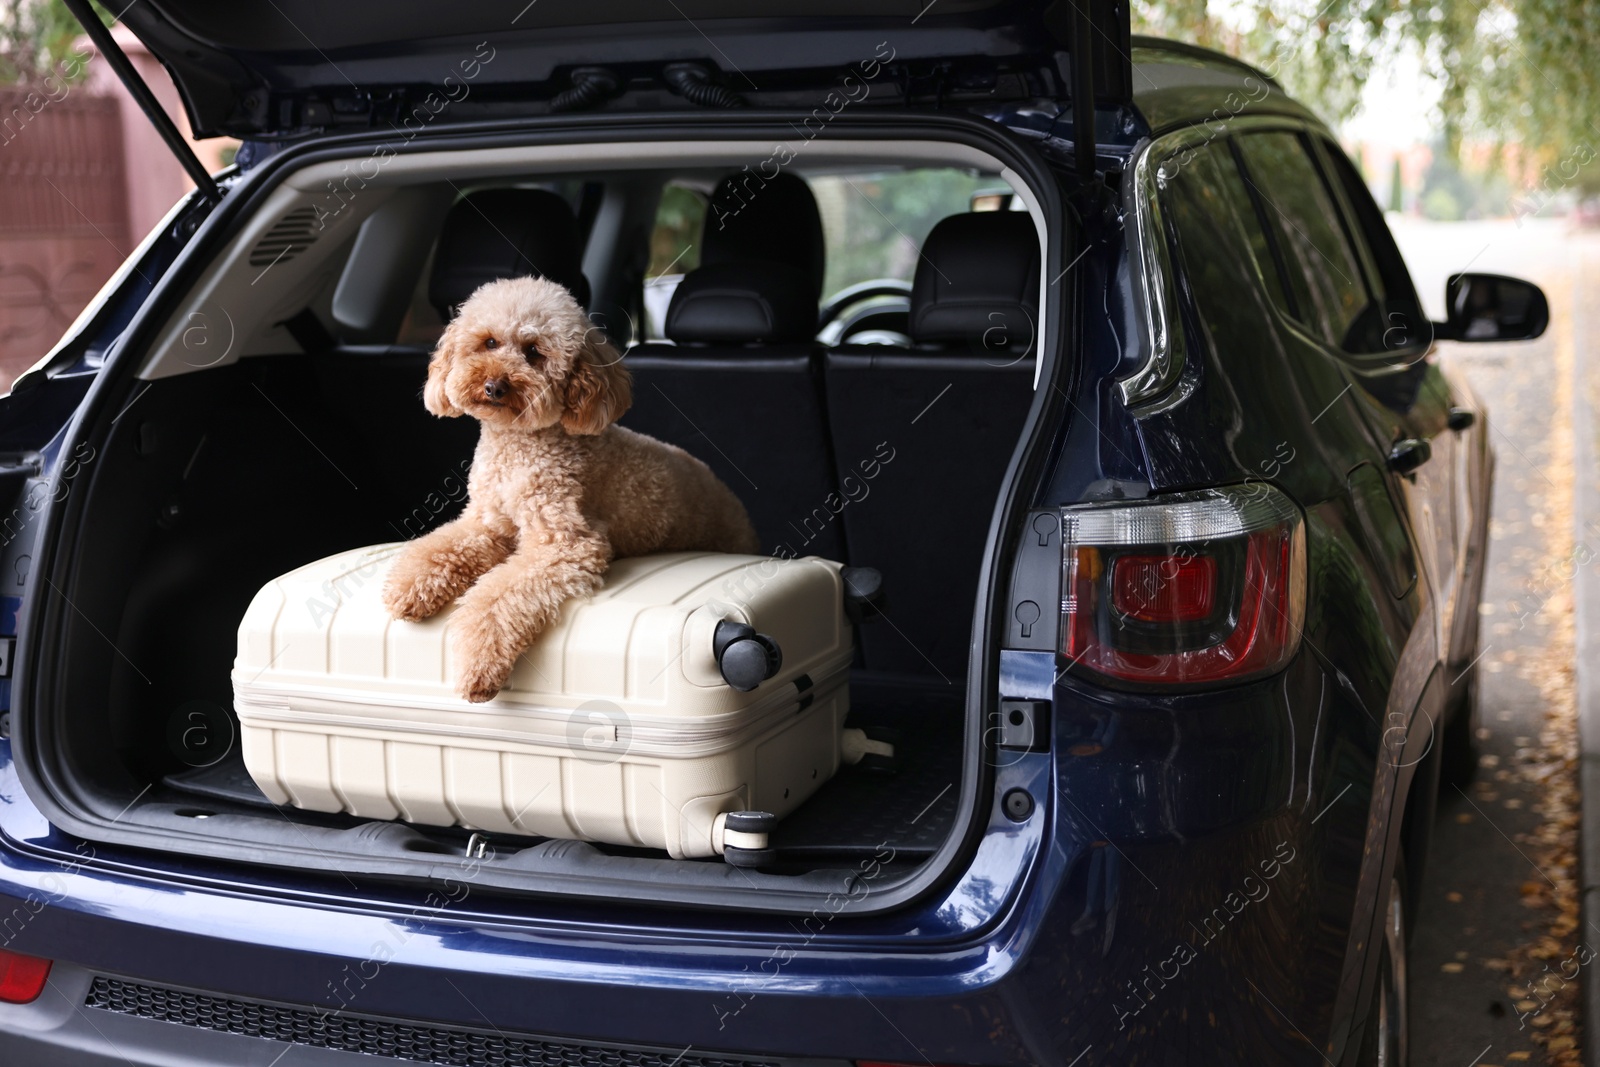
x=557, y=491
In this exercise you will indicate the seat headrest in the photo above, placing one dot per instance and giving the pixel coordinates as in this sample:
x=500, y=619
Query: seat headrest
x=775, y=219
x=978, y=281
x=505, y=233
x=743, y=303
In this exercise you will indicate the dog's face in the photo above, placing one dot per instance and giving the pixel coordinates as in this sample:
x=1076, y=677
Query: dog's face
x=521, y=354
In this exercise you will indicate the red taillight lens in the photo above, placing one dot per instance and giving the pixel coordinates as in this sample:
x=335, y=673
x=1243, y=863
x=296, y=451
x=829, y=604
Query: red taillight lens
x=22, y=977
x=1197, y=589
x=1164, y=588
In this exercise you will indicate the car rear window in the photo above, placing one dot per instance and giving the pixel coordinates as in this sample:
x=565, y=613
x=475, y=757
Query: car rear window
x=1323, y=273
x=1220, y=248
x=1404, y=324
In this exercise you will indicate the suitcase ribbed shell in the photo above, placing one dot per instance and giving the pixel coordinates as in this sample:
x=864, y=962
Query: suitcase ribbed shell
x=616, y=725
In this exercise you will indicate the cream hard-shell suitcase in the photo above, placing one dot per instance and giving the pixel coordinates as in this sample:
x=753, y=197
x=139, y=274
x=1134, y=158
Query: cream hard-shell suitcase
x=619, y=725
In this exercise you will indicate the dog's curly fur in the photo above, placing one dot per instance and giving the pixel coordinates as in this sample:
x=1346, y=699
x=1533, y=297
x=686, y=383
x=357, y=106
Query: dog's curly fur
x=556, y=490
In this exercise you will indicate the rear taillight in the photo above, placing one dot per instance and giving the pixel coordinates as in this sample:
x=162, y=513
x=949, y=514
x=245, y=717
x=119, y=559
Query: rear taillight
x=1192, y=589
x=22, y=977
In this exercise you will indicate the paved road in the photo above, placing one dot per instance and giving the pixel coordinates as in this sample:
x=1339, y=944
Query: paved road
x=1496, y=926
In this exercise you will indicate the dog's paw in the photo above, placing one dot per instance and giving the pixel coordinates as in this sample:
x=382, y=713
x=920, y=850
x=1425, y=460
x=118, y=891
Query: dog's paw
x=484, y=655
x=482, y=682
x=407, y=602
x=414, y=592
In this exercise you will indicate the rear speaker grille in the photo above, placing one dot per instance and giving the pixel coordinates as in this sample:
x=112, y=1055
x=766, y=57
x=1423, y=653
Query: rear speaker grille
x=289, y=236
x=380, y=1037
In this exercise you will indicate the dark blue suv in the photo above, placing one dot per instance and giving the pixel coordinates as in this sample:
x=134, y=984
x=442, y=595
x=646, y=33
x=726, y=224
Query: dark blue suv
x=1180, y=523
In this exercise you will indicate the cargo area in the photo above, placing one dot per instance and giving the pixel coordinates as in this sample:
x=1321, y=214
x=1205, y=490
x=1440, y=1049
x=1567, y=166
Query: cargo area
x=278, y=420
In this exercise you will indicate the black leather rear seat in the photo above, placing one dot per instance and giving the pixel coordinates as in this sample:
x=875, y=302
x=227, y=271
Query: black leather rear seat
x=506, y=233
x=949, y=410
x=775, y=219
x=739, y=389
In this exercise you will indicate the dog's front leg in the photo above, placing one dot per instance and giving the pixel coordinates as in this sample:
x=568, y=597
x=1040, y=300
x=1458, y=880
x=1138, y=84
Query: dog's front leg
x=438, y=567
x=515, y=602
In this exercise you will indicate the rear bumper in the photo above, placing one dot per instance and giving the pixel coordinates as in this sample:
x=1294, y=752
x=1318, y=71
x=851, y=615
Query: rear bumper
x=460, y=959
x=88, y=1020
x=1155, y=827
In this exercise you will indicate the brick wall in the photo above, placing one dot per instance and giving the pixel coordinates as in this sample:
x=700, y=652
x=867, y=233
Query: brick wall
x=63, y=215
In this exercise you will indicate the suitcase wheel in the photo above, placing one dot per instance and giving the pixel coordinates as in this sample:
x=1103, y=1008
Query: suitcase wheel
x=741, y=837
x=749, y=857
x=750, y=822
x=745, y=658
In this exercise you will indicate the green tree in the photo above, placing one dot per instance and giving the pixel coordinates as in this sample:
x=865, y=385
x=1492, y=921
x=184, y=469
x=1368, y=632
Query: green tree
x=1514, y=71
x=35, y=36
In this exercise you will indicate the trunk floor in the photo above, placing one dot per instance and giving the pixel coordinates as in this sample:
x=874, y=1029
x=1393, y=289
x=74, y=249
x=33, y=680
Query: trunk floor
x=857, y=815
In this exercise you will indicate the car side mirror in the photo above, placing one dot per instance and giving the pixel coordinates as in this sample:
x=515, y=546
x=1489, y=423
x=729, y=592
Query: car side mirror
x=1492, y=307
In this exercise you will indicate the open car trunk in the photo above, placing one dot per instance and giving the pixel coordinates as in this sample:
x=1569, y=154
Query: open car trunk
x=217, y=482
x=227, y=457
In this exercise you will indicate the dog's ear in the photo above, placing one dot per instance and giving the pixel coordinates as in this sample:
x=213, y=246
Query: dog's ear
x=434, y=397
x=599, y=388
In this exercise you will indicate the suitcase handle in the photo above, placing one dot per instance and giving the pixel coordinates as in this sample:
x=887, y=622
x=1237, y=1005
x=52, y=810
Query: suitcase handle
x=745, y=658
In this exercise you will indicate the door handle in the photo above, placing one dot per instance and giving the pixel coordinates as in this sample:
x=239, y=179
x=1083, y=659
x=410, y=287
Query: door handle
x=1462, y=419
x=1409, y=454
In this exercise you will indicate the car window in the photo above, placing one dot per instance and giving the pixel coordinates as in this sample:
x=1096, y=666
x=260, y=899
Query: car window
x=1219, y=248
x=1253, y=220
x=1403, y=322
x=680, y=216
x=875, y=222
x=1330, y=293
x=674, y=252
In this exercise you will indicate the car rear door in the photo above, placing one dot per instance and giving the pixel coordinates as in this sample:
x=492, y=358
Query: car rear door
x=1445, y=413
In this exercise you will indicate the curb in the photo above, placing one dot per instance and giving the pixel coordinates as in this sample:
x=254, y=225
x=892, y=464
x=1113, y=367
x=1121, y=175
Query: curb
x=1586, y=608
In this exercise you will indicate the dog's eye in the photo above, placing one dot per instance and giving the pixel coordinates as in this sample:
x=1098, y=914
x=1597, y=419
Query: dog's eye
x=491, y=343
x=531, y=353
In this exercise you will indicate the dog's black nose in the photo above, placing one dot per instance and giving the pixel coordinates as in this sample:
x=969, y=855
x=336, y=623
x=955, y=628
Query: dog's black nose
x=496, y=388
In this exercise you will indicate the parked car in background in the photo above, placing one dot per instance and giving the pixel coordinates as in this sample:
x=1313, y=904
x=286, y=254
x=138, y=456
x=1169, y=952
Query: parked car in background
x=1180, y=522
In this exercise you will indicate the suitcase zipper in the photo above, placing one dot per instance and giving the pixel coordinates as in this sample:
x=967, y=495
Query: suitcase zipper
x=648, y=735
